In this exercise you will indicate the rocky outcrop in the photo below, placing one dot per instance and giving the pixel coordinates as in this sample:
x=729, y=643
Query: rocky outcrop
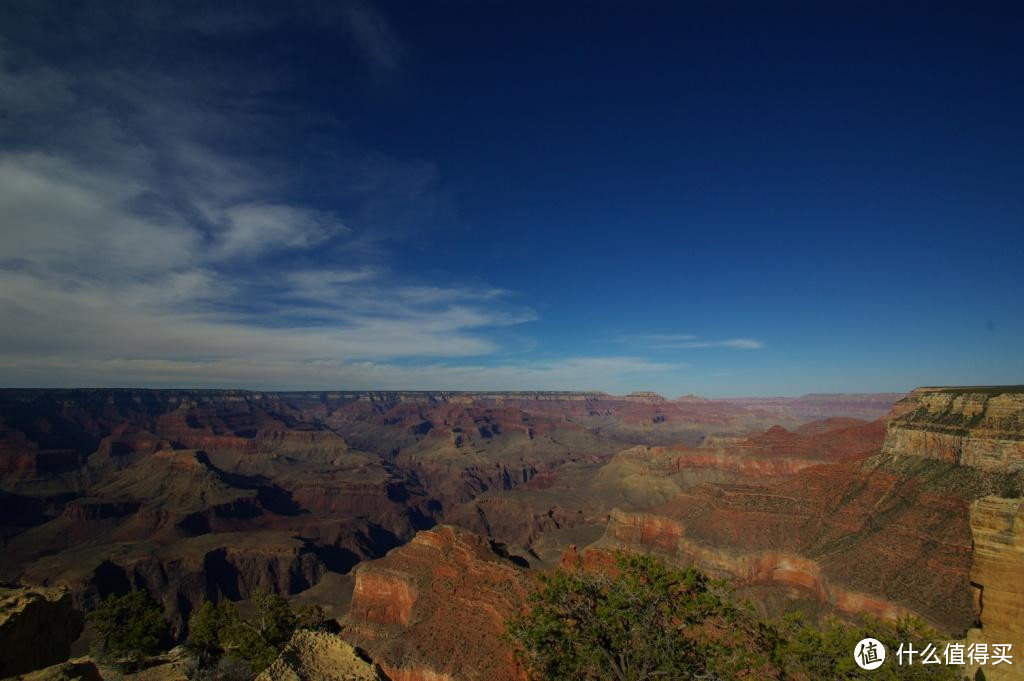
x=184, y=574
x=437, y=607
x=980, y=427
x=320, y=656
x=513, y=520
x=74, y=670
x=997, y=526
x=37, y=628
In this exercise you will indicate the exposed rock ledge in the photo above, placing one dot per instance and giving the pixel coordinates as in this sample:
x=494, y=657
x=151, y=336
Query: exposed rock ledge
x=319, y=656
x=435, y=609
x=981, y=427
x=997, y=525
x=40, y=624
x=73, y=670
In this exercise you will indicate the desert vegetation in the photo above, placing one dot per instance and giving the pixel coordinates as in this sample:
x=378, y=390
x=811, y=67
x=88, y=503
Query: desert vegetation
x=131, y=630
x=647, y=620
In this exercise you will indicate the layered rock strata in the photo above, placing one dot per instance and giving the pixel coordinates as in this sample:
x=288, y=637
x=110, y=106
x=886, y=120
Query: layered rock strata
x=980, y=427
x=837, y=536
x=997, y=525
x=437, y=609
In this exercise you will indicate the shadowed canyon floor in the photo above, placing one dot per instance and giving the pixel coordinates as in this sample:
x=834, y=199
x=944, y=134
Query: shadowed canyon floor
x=390, y=509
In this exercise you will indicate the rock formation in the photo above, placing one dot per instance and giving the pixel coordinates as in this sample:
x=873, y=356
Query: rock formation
x=437, y=607
x=837, y=537
x=37, y=628
x=822, y=525
x=208, y=494
x=320, y=656
x=980, y=427
x=74, y=670
x=997, y=525
x=183, y=574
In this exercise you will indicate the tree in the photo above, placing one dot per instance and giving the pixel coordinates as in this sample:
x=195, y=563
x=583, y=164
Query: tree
x=207, y=628
x=274, y=620
x=245, y=644
x=313, y=617
x=217, y=633
x=644, y=621
x=807, y=652
x=131, y=626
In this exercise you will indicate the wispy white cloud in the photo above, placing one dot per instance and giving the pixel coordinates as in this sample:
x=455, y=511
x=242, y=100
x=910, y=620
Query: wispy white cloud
x=734, y=343
x=154, y=244
x=685, y=341
x=138, y=246
x=373, y=35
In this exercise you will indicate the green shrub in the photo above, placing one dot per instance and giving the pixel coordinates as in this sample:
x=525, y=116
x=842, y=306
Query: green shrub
x=808, y=652
x=274, y=620
x=207, y=628
x=645, y=620
x=217, y=634
x=129, y=627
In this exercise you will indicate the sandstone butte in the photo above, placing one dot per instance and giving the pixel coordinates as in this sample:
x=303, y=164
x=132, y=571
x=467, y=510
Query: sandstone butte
x=436, y=609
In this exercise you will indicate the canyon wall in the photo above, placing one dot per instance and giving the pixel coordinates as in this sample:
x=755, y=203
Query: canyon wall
x=822, y=519
x=980, y=427
x=832, y=538
x=997, y=525
x=436, y=609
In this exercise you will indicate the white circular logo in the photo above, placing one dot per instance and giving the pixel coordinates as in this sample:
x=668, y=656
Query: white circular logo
x=869, y=653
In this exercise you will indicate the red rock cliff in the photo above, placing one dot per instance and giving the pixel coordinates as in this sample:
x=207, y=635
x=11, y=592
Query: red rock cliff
x=436, y=609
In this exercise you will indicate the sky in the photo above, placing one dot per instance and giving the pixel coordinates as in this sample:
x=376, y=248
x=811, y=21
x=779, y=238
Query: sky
x=720, y=198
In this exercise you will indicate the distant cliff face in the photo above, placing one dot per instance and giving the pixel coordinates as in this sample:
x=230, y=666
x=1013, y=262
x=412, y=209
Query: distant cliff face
x=980, y=427
x=838, y=536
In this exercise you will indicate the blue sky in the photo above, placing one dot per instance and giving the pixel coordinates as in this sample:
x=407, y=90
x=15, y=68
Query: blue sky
x=713, y=198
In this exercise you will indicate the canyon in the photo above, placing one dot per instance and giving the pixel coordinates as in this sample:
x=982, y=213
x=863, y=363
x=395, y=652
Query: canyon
x=393, y=510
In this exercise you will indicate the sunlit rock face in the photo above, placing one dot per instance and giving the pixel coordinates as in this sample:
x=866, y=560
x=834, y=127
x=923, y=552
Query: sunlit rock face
x=437, y=609
x=320, y=656
x=997, y=526
x=980, y=427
